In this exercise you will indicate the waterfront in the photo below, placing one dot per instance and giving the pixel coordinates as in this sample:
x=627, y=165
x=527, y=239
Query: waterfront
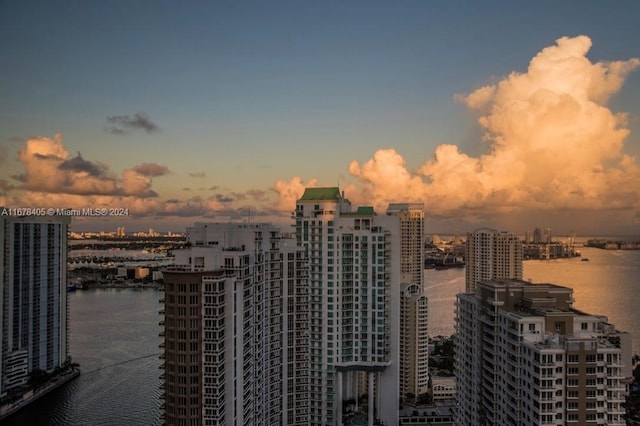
x=114, y=335
x=114, y=338
x=608, y=284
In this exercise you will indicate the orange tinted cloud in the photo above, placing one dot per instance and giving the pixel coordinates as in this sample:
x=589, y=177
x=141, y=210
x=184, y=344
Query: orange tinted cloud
x=49, y=168
x=289, y=191
x=554, y=143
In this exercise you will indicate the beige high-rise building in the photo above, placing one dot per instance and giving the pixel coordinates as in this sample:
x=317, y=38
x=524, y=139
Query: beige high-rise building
x=525, y=356
x=236, y=343
x=414, y=343
x=411, y=240
x=414, y=337
x=490, y=255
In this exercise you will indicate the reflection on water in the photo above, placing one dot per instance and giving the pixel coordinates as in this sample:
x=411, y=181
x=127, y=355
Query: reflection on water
x=608, y=284
x=114, y=337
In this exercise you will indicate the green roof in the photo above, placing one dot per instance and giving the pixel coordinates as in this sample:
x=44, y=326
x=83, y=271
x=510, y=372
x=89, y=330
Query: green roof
x=361, y=211
x=321, y=194
x=365, y=211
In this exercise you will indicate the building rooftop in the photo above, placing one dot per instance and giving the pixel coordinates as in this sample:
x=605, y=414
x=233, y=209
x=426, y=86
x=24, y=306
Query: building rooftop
x=321, y=194
x=361, y=211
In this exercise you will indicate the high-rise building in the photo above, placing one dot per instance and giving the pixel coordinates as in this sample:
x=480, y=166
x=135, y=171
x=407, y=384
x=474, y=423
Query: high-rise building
x=354, y=305
x=414, y=337
x=525, y=356
x=236, y=329
x=411, y=240
x=537, y=235
x=33, y=295
x=414, y=342
x=490, y=255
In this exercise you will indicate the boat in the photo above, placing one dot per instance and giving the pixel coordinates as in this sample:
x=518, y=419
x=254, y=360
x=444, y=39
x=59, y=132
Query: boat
x=585, y=259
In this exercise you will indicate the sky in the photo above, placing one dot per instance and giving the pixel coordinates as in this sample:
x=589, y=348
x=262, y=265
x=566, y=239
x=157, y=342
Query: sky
x=504, y=114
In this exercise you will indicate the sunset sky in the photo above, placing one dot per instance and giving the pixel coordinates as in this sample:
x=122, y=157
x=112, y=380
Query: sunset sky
x=505, y=114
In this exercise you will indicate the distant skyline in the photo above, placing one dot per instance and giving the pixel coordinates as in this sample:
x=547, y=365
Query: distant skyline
x=499, y=114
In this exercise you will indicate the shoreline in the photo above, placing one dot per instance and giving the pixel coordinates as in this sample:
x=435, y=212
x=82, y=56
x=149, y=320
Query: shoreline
x=9, y=409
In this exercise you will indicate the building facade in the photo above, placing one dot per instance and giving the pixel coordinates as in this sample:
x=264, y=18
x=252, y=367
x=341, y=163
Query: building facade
x=414, y=343
x=525, y=356
x=411, y=240
x=354, y=305
x=235, y=320
x=33, y=295
x=414, y=336
x=490, y=255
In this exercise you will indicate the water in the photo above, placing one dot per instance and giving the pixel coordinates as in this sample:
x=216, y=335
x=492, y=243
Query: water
x=609, y=284
x=114, y=335
x=114, y=338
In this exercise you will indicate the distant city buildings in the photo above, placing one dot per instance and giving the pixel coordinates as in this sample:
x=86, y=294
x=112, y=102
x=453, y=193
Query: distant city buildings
x=354, y=305
x=525, y=356
x=120, y=232
x=492, y=254
x=33, y=296
x=235, y=317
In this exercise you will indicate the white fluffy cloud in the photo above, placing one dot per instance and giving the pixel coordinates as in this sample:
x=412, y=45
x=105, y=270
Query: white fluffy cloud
x=554, y=144
x=291, y=190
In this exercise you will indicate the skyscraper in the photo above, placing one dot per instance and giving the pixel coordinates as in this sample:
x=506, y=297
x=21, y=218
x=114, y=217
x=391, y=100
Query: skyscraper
x=492, y=254
x=414, y=337
x=354, y=289
x=411, y=240
x=33, y=295
x=414, y=342
x=236, y=329
x=525, y=356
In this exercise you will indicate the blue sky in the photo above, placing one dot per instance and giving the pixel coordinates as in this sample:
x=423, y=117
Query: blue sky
x=254, y=92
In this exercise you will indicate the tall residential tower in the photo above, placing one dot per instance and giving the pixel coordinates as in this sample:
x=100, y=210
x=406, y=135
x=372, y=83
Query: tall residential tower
x=492, y=254
x=236, y=329
x=33, y=295
x=414, y=337
x=354, y=318
x=525, y=356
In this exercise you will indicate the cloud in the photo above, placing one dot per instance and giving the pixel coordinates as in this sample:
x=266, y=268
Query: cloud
x=50, y=169
x=223, y=198
x=54, y=178
x=151, y=169
x=4, y=151
x=121, y=124
x=257, y=194
x=5, y=187
x=197, y=175
x=553, y=144
x=290, y=191
x=78, y=164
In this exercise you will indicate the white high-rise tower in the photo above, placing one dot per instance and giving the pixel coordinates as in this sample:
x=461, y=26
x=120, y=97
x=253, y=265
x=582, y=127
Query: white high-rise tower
x=354, y=309
x=33, y=296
